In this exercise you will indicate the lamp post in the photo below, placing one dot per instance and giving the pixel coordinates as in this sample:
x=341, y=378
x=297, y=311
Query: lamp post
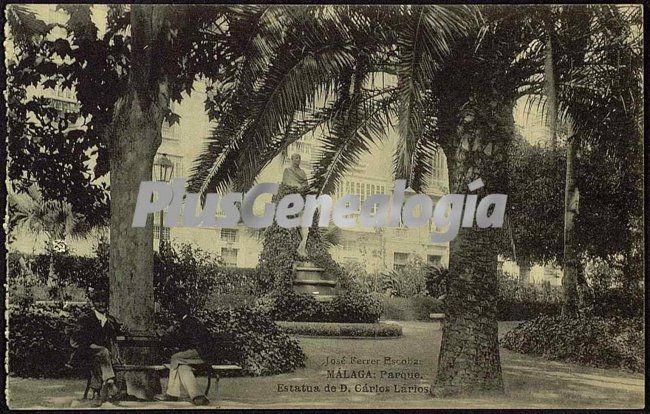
x=162, y=168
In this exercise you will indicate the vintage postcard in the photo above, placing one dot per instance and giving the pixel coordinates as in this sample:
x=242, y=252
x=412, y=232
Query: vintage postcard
x=324, y=206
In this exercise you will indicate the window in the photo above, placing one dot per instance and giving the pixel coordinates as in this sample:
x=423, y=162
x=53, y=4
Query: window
x=229, y=256
x=400, y=260
x=434, y=259
x=156, y=232
x=229, y=235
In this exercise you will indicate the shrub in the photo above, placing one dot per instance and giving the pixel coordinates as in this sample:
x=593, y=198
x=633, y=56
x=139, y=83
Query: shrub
x=525, y=310
x=237, y=281
x=618, y=303
x=355, y=305
x=341, y=329
x=38, y=340
x=248, y=337
x=352, y=305
x=588, y=340
x=410, y=280
x=184, y=276
x=410, y=309
x=288, y=305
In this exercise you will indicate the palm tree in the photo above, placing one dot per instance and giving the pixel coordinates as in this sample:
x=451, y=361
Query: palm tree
x=431, y=68
x=52, y=218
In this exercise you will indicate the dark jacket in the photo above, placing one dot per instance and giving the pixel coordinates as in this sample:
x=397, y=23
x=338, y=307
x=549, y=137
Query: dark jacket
x=190, y=333
x=88, y=330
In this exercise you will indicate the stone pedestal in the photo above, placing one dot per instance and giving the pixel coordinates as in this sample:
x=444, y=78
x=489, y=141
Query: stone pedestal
x=307, y=278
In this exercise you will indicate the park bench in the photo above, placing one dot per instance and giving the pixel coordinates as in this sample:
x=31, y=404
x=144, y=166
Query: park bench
x=212, y=371
x=437, y=319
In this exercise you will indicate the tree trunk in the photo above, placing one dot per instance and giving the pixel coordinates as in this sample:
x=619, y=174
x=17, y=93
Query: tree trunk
x=524, y=273
x=135, y=137
x=550, y=84
x=571, y=254
x=469, y=359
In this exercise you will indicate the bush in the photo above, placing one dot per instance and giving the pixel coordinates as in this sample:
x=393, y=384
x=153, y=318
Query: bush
x=39, y=340
x=256, y=342
x=355, y=305
x=618, y=303
x=410, y=280
x=341, y=329
x=525, y=310
x=352, y=305
x=410, y=309
x=184, y=276
x=521, y=301
x=589, y=340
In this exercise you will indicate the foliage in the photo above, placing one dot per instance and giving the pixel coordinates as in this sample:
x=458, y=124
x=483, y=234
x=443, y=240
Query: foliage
x=519, y=301
x=251, y=339
x=279, y=251
x=71, y=271
x=521, y=310
x=183, y=274
x=408, y=281
x=341, y=42
x=184, y=277
x=510, y=289
x=589, y=340
x=38, y=340
x=535, y=218
x=355, y=305
x=436, y=281
x=352, y=305
x=415, y=308
x=341, y=329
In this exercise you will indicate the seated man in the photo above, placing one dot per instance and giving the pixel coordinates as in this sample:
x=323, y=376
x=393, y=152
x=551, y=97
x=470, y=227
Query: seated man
x=195, y=340
x=92, y=340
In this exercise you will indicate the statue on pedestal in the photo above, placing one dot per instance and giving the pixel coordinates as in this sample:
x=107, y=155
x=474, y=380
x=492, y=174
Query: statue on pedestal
x=294, y=176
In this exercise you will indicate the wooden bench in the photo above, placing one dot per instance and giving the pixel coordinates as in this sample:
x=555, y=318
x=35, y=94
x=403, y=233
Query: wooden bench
x=437, y=319
x=201, y=366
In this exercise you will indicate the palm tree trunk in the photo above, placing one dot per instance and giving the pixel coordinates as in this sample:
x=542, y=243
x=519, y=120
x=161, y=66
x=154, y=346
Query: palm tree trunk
x=551, y=90
x=571, y=254
x=135, y=138
x=469, y=355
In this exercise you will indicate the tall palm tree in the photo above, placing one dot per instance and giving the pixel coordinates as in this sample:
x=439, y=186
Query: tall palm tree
x=435, y=50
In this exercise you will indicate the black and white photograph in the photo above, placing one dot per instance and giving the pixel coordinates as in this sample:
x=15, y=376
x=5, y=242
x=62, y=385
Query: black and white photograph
x=324, y=206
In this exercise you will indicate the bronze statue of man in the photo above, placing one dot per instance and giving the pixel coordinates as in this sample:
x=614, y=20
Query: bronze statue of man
x=294, y=176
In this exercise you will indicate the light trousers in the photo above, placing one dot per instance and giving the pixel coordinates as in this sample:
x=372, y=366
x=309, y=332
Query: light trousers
x=181, y=374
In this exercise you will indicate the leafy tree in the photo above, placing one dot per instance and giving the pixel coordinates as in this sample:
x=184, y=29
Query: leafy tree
x=124, y=80
x=598, y=63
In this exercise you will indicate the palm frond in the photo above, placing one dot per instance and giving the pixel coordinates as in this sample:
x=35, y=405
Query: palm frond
x=424, y=40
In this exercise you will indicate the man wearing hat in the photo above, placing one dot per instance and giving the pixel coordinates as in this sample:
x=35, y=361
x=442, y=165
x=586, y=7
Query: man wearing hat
x=92, y=339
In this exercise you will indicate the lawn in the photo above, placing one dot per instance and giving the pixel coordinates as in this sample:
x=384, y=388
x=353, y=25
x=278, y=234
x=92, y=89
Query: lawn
x=530, y=382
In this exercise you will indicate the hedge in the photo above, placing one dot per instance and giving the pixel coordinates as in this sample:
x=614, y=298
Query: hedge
x=39, y=340
x=353, y=305
x=384, y=330
x=588, y=340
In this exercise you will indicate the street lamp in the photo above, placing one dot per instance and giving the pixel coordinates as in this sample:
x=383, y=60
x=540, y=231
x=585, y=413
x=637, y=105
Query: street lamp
x=162, y=169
